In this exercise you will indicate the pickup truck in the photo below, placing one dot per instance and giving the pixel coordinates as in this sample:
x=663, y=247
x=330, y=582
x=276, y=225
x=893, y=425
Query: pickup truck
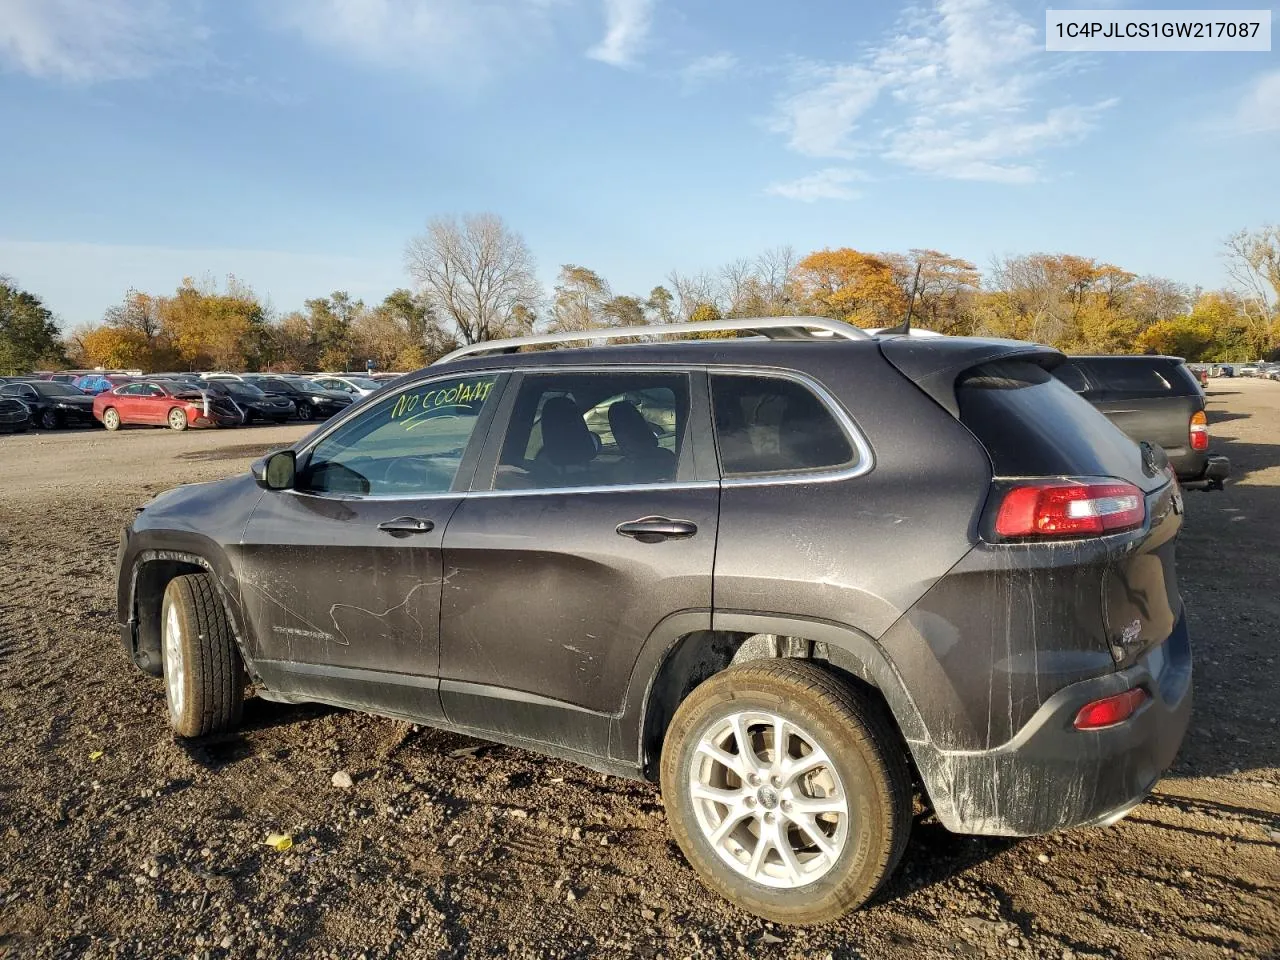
x=1156, y=399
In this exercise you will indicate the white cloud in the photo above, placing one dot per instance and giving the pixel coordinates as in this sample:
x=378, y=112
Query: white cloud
x=829, y=184
x=819, y=121
x=988, y=152
x=443, y=38
x=954, y=90
x=87, y=41
x=1259, y=111
x=627, y=25
x=711, y=67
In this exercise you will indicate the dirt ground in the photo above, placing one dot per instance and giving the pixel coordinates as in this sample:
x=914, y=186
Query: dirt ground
x=115, y=840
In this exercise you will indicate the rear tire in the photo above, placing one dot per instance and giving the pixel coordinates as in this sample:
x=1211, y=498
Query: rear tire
x=111, y=418
x=797, y=840
x=203, y=672
x=177, y=419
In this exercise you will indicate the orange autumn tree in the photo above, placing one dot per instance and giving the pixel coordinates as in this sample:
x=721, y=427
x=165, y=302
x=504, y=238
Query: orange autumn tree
x=846, y=284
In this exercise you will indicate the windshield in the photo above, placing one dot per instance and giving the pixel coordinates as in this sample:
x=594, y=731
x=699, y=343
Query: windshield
x=51, y=388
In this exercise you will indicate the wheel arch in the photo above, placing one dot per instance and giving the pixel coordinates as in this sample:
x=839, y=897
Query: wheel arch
x=672, y=664
x=152, y=572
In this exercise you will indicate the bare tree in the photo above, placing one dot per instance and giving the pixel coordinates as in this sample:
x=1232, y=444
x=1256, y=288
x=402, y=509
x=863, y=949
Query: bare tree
x=693, y=290
x=475, y=272
x=1253, y=263
x=774, y=268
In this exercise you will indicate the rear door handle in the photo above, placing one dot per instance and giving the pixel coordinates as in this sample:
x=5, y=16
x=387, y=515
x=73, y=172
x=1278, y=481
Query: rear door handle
x=657, y=529
x=404, y=525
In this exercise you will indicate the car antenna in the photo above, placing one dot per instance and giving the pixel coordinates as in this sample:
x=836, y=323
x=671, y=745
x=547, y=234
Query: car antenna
x=904, y=328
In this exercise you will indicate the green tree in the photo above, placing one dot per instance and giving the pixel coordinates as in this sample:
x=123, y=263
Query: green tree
x=662, y=305
x=580, y=298
x=29, y=337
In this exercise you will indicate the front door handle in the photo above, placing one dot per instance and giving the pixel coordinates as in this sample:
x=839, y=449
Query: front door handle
x=406, y=525
x=657, y=529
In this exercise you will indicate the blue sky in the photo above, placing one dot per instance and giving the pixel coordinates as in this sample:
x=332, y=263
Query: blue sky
x=299, y=143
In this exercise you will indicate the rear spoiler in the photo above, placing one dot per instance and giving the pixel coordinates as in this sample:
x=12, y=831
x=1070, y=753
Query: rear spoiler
x=934, y=363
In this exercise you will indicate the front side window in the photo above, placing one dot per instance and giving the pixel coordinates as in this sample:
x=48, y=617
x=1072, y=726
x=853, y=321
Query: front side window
x=409, y=444
x=770, y=425
x=594, y=429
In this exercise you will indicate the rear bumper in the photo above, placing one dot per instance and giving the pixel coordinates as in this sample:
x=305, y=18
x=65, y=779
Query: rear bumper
x=1211, y=475
x=1052, y=776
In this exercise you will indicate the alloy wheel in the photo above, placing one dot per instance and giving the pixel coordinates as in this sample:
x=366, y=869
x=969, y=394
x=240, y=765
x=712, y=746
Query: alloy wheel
x=174, y=667
x=768, y=799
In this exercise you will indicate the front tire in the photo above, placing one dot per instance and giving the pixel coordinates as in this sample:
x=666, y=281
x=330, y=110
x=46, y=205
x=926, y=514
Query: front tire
x=203, y=672
x=305, y=412
x=49, y=420
x=111, y=418
x=787, y=790
x=177, y=419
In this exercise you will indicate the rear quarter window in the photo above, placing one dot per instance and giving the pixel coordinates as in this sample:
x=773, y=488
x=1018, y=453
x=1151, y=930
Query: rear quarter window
x=1034, y=425
x=770, y=425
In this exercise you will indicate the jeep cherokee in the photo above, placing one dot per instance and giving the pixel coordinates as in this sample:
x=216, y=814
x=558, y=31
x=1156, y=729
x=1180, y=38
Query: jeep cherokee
x=790, y=577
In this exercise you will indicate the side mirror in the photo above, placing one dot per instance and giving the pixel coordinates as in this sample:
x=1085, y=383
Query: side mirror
x=276, y=471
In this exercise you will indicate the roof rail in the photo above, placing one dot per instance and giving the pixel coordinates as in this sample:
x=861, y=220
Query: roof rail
x=776, y=328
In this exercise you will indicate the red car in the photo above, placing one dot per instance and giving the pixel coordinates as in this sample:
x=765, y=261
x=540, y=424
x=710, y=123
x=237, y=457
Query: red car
x=164, y=403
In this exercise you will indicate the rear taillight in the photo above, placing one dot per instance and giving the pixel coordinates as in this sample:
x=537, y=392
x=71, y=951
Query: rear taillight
x=1199, y=431
x=1070, y=509
x=1109, y=711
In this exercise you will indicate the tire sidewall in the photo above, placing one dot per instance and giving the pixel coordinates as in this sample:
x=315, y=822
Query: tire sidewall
x=835, y=892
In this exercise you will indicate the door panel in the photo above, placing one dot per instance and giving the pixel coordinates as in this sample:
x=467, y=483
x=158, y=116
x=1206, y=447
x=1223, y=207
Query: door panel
x=341, y=609
x=545, y=606
x=341, y=577
x=546, y=603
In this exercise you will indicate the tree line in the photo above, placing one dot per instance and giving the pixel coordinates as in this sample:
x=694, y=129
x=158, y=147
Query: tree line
x=474, y=279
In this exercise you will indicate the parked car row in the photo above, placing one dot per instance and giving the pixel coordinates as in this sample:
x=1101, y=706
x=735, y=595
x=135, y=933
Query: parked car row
x=177, y=400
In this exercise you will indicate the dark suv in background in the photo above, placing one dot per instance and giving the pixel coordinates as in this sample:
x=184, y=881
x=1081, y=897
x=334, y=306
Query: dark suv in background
x=1152, y=398
x=789, y=577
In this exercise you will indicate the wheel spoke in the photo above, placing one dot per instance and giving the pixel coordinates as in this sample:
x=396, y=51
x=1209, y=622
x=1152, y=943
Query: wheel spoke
x=728, y=760
x=780, y=758
x=763, y=844
x=700, y=791
x=731, y=819
x=745, y=750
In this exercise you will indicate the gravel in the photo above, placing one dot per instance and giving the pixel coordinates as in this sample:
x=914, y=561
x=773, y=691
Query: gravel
x=406, y=842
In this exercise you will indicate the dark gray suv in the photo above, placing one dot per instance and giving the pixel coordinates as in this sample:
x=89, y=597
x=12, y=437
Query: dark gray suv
x=791, y=577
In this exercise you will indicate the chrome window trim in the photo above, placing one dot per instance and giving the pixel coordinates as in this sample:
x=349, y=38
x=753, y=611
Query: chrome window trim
x=863, y=465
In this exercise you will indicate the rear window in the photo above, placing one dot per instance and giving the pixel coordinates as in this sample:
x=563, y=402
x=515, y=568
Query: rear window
x=1131, y=377
x=1034, y=425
